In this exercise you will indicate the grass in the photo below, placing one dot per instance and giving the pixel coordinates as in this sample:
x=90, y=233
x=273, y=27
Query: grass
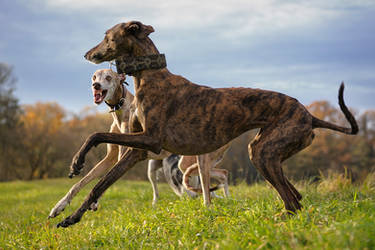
x=342, y=217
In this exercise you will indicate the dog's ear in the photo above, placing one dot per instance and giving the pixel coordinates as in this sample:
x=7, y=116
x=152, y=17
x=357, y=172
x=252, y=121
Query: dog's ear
x=139, y=30
x=122, y=77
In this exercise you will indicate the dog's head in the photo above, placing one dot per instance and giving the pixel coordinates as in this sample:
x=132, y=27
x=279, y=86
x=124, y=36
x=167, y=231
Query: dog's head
x=121, y=39
x=105, y=82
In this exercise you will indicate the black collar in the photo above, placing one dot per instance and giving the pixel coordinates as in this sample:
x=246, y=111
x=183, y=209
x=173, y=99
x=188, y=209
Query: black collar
x=131, y=65
x=115, y=107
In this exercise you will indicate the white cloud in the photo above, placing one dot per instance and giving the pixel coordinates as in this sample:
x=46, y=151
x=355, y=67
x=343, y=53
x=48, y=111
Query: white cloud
x=234, y=18
x=296, y=47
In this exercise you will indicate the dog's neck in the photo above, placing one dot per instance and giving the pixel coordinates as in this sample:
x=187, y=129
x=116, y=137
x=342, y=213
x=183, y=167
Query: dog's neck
x=142, y=50
x=143, y=56
x=131, y=65
x=118, y=99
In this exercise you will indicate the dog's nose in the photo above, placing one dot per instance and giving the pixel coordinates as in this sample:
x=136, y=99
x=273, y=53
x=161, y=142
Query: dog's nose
x=96, y=85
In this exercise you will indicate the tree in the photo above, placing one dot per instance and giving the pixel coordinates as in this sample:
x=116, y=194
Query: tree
x=9, y=122
x=50, y=139
x=364, y=153
x=43, y=145
x=79, y=127
x=333, y=151
x=237, y=160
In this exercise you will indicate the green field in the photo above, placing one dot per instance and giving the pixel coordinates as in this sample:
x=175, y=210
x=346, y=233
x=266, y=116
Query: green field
x=336, y=215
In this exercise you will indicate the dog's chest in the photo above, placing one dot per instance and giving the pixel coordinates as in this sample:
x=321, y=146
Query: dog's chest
x=121, y=118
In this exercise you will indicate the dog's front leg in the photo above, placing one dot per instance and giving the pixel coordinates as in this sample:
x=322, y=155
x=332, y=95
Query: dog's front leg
x=108, y=161
x=154, y=165
x=204, y=174
x=136, y=140
x=130, y=158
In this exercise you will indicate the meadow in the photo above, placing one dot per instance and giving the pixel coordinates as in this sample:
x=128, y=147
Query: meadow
x=336, y=215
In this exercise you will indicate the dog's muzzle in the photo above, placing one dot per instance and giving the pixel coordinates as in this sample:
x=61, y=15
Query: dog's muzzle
x=96, y=85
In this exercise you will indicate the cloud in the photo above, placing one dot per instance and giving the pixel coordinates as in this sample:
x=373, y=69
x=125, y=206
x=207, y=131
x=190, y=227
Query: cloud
x=296, y=47
x=234, y=18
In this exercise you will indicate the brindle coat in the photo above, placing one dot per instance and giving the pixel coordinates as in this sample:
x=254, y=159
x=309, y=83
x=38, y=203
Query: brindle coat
x=108, y=87
x=189, y=119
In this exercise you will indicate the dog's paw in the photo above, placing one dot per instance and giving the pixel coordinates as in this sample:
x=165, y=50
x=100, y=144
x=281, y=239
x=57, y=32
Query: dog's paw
x=76, y=166
x=59, y=207
x=94, y=206
x=68, y=221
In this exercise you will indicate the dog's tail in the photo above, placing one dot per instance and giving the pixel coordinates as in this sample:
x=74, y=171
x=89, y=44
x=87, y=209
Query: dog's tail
x=317, y=123
x=185, y=180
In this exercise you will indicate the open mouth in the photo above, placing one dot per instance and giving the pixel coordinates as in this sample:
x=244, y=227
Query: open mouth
x=99, y=95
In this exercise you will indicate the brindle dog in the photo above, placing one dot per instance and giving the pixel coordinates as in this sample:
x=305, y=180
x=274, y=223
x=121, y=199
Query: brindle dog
x=184, y=118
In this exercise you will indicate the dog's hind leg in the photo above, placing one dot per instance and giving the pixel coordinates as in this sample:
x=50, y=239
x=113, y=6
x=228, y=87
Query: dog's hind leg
x=154, y=165
x=271, y=147
x=130, y=158
x=294, y=190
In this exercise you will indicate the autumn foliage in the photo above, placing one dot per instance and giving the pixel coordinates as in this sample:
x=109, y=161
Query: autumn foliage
x=48, y=136
x=39, y=140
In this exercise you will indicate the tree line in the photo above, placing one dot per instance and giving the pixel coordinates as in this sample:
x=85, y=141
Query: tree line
x=38, y=141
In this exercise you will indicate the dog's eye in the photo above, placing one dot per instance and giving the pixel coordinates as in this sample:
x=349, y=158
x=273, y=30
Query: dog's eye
x=108, y=78
x=94, y=77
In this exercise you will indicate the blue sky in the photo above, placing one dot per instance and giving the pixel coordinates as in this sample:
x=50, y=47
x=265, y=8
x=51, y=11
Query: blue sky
x=300, y=48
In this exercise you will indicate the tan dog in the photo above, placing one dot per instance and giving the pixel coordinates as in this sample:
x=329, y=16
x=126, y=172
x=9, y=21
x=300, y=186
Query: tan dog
x=107, y=86
x=189, y=166
x=176, y=115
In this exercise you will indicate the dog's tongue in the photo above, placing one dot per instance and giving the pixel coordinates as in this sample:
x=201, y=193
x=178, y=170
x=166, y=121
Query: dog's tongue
x=98, y=98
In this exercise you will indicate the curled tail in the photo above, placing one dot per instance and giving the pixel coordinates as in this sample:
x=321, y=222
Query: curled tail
x=317, y=123
x=185, y=180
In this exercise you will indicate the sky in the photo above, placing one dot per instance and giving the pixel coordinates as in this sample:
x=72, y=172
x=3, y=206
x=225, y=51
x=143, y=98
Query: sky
x=304, y=49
